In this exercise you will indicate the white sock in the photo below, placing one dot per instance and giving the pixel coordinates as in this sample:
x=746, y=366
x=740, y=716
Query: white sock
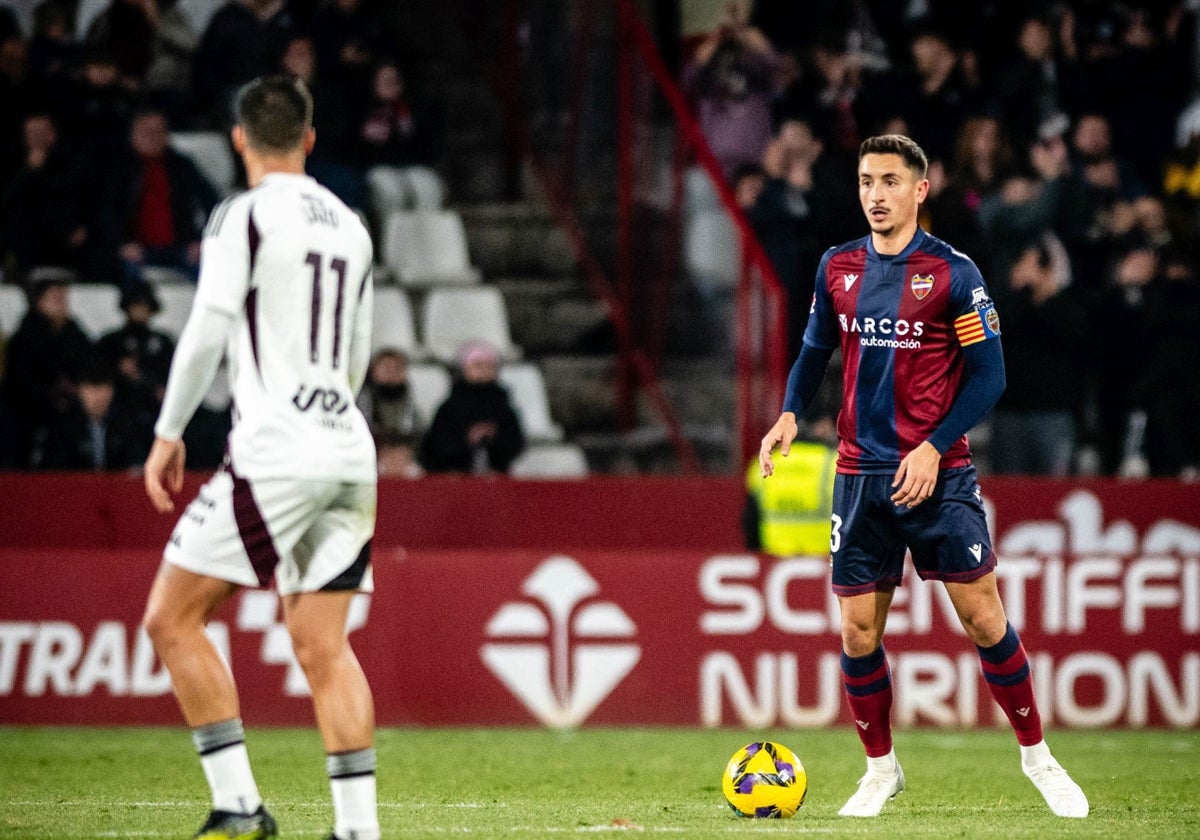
x=883, y=764
x=222, y=749
x=1039, y=753
x=352, y=782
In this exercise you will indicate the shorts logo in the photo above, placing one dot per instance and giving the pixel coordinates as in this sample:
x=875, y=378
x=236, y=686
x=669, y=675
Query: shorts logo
x=849, y=278
x=922, y=285
x=977, y=552
x=561, y=652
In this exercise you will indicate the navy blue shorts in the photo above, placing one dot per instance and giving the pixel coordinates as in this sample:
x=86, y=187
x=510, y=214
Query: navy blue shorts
x=947, y=533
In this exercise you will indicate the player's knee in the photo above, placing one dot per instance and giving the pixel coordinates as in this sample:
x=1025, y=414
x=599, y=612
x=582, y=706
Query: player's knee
x=984, y=626
x=860, y=638
x=316, y=654
x=160, y=625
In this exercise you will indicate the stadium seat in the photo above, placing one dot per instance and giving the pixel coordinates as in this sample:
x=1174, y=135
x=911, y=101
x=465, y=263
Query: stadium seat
x=429, y=385
x=176, y=300
x=712, y=250
x=452, y=317
x=393, y=323
x=96, y=306
x=527, y=389
x=211, y=153
x=12, y=308
x=550, y=460
x=392, y=188
x=425, y=248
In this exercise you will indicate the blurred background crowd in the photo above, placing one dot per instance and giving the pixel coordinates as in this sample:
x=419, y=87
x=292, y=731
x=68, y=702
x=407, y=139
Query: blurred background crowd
x=1064, y=140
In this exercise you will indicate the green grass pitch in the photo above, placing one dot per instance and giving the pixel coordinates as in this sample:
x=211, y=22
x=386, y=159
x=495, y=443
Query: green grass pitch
x=520, y=783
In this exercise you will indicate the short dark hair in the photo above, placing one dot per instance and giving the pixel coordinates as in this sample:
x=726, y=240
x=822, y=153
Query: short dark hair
x=896, y=144
x=275, y=112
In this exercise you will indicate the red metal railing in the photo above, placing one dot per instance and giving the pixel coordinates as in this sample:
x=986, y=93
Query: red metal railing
x=633, y=276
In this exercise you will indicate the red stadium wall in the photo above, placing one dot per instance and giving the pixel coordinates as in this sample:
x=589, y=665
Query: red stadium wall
x=614, y=601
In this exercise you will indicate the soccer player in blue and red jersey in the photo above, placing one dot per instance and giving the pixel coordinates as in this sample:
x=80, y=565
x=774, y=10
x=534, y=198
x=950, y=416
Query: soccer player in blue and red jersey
x=920, y=341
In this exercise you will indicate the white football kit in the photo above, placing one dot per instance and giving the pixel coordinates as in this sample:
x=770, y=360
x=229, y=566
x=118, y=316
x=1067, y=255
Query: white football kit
x=285, y=293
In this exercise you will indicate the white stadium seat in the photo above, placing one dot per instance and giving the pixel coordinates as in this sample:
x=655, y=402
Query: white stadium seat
x=429, y=385
x=176, y=300
x=550, y=460
x=452, y=317
x=96, y=306
x=13, y=305
x=527, y=390
x=712, y=250
x=423, y=248
x=211, y=153
x=393, y=323
x=403, y=188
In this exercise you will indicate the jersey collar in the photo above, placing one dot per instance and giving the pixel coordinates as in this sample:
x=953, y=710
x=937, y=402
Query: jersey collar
x=912, y=245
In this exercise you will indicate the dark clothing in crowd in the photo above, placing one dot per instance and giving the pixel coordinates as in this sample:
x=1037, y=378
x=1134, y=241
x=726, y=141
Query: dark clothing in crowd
x=157, y=203
x=73, y=441
x=41, y=368
x=43, y=209
x=446, y=447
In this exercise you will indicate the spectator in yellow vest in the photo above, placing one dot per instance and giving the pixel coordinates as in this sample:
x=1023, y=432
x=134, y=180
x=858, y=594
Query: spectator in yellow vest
x=791, y=516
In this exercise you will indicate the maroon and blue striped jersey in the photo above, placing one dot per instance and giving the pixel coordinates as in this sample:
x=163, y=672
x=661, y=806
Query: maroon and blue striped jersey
x=902, y=322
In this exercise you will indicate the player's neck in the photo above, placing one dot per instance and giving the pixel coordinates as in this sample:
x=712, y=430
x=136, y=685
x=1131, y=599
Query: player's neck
x=891, y=244
x=260, y=166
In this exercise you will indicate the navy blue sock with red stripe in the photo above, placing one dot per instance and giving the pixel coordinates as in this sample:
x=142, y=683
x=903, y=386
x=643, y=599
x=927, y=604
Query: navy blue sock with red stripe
x=868, y=683
x=1006, y=669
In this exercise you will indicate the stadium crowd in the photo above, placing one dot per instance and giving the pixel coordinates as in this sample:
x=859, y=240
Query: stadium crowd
x=1064, y=140
x=92, y=189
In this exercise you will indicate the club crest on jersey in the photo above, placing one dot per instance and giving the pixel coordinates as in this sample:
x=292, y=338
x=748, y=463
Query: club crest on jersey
x=922, y=285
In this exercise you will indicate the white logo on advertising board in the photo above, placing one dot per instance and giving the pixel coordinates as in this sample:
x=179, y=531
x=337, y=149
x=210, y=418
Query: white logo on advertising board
x=550, y=658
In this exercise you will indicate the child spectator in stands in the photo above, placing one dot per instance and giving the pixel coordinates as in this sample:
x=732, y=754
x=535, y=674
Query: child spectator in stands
x=399, y=142
x=157, y=202
x=97, y=431
x=44, y=359
x=44, y=221
x=476, y=429
x=139, y=355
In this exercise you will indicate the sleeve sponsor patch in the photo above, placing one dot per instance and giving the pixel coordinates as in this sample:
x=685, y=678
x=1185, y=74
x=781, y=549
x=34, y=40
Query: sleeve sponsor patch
x=977, y=326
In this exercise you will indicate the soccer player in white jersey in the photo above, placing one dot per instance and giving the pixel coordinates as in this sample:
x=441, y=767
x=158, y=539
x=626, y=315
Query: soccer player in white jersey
x=285, y=294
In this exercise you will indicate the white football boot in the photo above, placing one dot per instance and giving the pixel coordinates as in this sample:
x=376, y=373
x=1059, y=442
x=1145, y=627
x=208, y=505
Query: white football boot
x=874, y=790
x=1065, y=798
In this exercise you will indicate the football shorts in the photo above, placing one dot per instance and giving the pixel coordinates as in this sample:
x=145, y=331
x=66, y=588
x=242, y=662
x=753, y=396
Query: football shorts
x=309, y=535
x=947, y=533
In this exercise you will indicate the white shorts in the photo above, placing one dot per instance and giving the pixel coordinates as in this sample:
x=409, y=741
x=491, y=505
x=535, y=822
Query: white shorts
x=311, y=535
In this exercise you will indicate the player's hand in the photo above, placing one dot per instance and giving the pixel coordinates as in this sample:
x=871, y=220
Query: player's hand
x=917, y=476
x=781, y=434
x=164, y=472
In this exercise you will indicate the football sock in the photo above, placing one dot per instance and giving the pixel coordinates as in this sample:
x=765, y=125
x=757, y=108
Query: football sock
x=1006, y=669
x=352, y=780
x=1035, y=755
x=868, y=683
x=222, y=748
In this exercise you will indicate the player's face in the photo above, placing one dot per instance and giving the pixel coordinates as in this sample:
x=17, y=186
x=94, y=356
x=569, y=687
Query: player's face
x=890, y=193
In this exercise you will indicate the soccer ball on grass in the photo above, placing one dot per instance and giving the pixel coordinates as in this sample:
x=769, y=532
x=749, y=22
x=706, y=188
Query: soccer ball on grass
x=764, y=779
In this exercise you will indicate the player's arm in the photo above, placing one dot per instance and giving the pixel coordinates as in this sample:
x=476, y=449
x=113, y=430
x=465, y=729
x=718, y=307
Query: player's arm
x=220, y=294
x=196, y=360
x=808, y=371
x=983, y=383
x=805, y=378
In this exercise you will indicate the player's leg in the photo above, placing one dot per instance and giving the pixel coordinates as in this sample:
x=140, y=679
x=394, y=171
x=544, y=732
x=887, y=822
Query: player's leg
x=219, y=545
x=1007, y=673
x=867, y=564
x=343, y=705
x=179, y=607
